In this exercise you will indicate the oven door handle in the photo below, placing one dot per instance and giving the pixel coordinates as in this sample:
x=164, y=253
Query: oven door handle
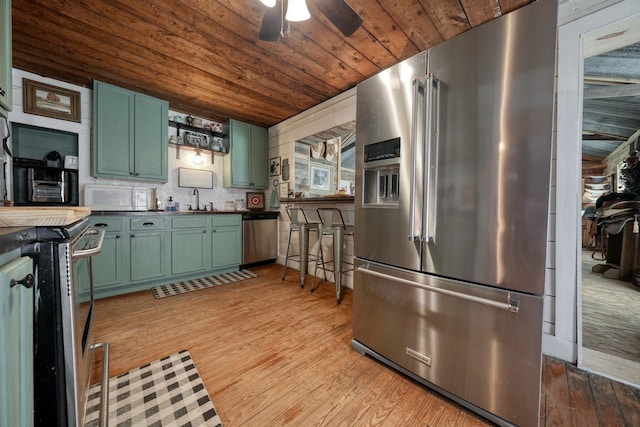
x=84, y=253
x=103, y=419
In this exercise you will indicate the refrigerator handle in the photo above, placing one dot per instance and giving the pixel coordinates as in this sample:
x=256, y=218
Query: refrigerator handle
x=512, y=305
x=415, y=110
x=432, y=109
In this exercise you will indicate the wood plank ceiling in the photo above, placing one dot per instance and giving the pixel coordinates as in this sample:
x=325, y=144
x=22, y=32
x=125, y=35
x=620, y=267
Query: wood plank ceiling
x=611, y=107
x=205, y=58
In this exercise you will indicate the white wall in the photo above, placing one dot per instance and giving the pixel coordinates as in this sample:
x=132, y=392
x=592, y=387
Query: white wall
x=218, y=195
x=336, y=111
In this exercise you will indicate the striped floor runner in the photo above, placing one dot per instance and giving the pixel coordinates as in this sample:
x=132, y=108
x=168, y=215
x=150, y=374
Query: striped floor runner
x=204, y=283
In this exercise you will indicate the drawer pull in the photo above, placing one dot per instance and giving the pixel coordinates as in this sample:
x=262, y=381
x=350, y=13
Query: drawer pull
x=27, y=282
x=101, y=224
x=148, y=223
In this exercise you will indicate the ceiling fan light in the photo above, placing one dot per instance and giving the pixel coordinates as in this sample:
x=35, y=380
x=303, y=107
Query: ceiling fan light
x=297, y=11
x=269, y=3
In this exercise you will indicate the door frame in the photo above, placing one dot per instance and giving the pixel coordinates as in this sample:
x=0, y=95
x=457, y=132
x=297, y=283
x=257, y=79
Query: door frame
x=571, y=38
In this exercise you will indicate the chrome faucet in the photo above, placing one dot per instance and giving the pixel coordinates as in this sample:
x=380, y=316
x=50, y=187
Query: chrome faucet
x=197, y=194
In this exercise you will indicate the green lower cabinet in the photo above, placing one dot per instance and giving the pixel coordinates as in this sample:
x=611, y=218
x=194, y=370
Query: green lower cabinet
x=226, y=241
x=227, y=246
x=140, y=252
x=147, y=239
x=16, y=345
x=107, y=265
x=190, y=250
x=147, y=255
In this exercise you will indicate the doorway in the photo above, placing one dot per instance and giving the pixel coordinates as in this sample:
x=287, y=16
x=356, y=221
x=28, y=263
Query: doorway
x=609, y=298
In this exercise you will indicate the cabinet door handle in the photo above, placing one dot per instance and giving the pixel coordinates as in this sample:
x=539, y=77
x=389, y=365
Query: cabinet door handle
x=136, y=174
x=213, y=231
x=2, y=92
x=27, y=281
x=204, y=231
x=117, y=236
x=131, y=173
x=132, y=235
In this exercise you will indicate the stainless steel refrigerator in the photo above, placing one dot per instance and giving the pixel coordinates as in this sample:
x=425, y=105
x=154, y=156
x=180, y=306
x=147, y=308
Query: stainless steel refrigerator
x=453, y=171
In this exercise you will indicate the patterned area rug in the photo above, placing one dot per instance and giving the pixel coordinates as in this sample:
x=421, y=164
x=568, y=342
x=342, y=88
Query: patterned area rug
x=204, y=283
x=166, y=392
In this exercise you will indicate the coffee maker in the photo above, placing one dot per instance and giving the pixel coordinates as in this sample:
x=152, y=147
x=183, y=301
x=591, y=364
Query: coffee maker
x=44, y=182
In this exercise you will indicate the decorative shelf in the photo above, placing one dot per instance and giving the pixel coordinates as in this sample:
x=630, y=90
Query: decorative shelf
x=185, y=126
x=220, y=146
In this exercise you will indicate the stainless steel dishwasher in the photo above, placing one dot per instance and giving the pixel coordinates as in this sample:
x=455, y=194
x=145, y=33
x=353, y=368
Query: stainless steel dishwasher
x=259, y=238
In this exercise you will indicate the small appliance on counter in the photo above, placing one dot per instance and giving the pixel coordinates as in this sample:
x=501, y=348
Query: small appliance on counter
x=116, y=198
x=44, y=182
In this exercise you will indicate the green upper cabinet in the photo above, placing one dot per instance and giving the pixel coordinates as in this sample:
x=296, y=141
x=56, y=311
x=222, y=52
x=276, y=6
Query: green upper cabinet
x=247, y=164
x=151, y=137
x=130, y=134
x=5, y=57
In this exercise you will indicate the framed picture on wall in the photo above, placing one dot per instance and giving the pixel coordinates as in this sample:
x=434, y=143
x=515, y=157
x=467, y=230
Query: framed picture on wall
x=50, y=101
x=284, y=190
x=320, y=178
x=274, y=166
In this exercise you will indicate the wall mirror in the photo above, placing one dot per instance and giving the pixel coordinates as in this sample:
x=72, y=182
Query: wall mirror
x=325, y=162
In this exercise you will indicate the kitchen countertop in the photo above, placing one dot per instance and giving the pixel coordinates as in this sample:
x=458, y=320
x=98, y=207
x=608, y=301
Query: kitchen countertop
x=173, y=213
x=15, y=237
x=331, y=199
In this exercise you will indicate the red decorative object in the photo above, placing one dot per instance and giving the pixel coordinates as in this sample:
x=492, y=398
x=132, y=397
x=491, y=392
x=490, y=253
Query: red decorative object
x=255, y=201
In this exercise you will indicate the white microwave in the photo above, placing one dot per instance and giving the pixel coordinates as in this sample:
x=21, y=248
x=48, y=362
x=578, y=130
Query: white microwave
x=116, y=198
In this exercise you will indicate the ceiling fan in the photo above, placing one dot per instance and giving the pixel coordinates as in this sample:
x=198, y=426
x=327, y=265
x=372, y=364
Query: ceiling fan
x=337, y=11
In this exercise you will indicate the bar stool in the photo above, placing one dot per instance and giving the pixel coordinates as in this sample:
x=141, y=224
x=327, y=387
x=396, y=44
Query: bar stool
x=301, y=225
x=332, y=224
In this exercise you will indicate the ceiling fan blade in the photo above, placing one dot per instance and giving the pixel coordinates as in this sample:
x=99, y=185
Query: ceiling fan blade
x=271, y=24
x=341, y=15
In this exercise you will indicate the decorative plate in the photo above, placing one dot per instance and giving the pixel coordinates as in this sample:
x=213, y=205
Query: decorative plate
x=255, y=200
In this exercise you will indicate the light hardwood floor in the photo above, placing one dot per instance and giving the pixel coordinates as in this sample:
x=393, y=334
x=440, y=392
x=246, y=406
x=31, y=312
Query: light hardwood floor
x=271, y=353
x=610, y=312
